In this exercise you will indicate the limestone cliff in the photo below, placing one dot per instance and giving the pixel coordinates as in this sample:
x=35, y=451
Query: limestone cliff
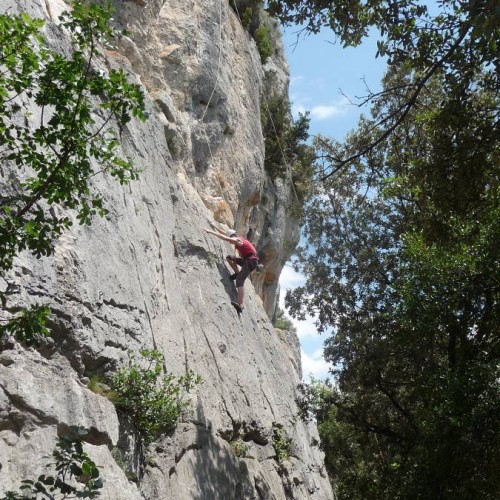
x=148, y=276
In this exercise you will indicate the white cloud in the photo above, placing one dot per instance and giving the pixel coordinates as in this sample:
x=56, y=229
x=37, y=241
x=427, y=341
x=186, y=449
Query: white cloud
x=290, y=278
x=300, y=103
x=318, y=353
x=321, y=112
x=306, y=328
x=326, y=111
x=314, y=365
x=311, y=342
x=298, y=108
x=296, y=80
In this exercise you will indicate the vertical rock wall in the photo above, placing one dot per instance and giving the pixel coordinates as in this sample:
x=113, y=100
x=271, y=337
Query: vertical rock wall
x=204, y=73
x=149, y=277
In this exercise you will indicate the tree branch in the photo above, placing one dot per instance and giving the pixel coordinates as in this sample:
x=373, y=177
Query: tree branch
x=63, y=157
x=396, y=404
x=403, y=110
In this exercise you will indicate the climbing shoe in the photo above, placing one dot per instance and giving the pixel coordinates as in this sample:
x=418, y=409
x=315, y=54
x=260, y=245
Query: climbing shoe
x=238, y=308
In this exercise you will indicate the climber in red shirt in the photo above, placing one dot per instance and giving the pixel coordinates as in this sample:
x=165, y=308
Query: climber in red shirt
x=248, y=260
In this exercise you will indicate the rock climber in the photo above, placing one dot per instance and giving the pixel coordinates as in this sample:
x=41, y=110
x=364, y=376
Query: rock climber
x=248, y=260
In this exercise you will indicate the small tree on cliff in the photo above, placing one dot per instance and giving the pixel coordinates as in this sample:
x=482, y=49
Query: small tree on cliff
x=71, y=136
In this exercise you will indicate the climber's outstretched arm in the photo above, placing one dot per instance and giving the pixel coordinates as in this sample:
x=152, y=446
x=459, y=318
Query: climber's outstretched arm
x=234, y=240
x=214, y=226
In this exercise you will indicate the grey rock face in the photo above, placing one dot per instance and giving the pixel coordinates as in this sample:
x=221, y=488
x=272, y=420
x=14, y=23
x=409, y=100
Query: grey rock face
x=150, y=277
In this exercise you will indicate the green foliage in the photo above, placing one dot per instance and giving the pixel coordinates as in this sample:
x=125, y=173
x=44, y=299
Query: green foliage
x=77, y=475
x=153, y=401
x=404, y=276
x=286, y=144
x=98, y=386
x=252, y=18
x=316, y=403
x=456, y=42
x=461, y=36
x=117, y=455
x=282, y=444
x=283, y=322
x=211, y=258
x=28, y=326
x=249, y=12
x=246, y=18
x=58, y=152
x=77, y=108
x=264, y=43
x=276, y=123
x=238, y=447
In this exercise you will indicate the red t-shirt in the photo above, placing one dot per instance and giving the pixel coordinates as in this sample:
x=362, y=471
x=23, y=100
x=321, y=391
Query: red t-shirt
x=246, y=249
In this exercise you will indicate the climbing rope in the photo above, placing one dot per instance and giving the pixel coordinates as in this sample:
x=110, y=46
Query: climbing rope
x=217, y=71
x=264, y=100
x=217, y=74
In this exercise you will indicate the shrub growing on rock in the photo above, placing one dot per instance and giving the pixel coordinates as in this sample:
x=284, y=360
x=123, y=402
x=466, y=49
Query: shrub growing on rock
x=154, y=401
x=77, y=475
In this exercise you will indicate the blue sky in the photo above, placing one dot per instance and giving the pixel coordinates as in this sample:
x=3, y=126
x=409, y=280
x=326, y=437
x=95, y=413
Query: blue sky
x=320, y=72
x=324, y=78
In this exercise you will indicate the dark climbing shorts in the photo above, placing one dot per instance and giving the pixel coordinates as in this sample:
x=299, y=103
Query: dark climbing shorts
x=247, y=266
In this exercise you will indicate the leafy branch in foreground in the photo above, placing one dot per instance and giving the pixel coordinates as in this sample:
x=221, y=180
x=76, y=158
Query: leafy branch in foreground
x=57, y=148
x=28, y=326
x=77, y=475
x=153, y=402
x=49, y=155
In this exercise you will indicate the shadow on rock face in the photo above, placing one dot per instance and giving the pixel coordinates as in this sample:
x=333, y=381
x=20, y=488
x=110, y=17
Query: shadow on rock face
x=228, y=284
x=218, y=473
